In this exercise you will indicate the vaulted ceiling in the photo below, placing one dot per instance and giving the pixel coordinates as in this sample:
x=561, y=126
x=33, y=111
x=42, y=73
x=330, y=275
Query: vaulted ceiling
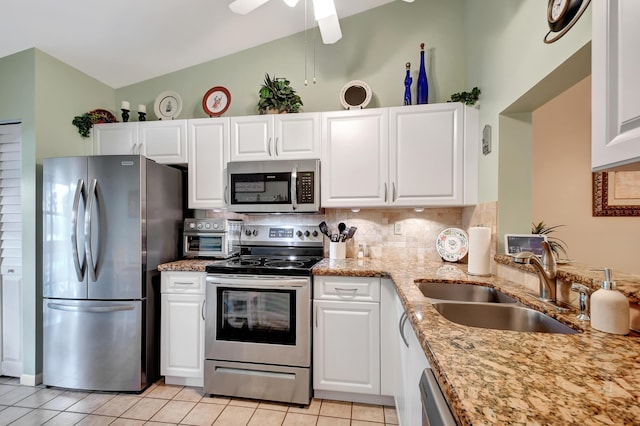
x=123, y=42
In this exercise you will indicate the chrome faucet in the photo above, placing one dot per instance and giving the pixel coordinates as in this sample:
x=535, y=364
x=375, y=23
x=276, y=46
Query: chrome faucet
x=545, y=268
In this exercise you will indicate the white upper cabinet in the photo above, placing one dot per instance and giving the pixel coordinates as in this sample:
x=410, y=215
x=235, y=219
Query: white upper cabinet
x=162, y=141
x=408, y=156
x=115, y=139
x=615, y=67
x=355, y=149
x=278, y=136
x=208, y=157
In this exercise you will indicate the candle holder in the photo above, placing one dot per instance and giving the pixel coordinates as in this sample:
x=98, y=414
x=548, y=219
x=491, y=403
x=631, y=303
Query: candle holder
x=125, y=115
x=142, y=116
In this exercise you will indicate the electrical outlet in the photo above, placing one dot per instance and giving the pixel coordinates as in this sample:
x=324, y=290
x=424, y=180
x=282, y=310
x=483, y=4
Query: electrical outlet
x=397, y=228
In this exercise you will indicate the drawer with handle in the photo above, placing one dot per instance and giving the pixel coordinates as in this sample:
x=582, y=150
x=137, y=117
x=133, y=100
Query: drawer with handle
x=362, y=289
x=183, y=282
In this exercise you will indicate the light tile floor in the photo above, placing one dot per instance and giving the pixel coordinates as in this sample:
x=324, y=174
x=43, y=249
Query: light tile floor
x=163, y=404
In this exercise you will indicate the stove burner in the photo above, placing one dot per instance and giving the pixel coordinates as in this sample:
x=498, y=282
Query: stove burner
x=283, y=264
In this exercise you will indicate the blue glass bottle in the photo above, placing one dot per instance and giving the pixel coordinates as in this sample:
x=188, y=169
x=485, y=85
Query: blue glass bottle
x=423, y=85
x=407, y=84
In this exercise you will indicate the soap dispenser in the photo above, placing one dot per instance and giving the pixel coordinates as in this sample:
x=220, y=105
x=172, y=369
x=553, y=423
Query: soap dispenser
x=609, y=308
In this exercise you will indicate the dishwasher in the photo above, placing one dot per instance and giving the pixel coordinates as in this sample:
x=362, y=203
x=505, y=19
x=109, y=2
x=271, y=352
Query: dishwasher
x=435, y=410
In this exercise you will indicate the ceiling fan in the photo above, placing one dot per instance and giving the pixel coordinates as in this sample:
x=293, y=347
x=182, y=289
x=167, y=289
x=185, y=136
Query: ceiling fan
x=323, y=10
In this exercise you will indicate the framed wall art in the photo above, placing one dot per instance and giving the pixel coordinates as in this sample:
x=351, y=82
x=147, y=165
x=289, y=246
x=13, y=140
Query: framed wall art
x=616, y=193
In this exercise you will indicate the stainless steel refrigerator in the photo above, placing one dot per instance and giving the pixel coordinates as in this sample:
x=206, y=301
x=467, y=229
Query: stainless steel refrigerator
x=108, y=222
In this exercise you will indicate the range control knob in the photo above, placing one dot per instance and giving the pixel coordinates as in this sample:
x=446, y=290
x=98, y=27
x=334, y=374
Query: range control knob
x=307, y=233
x=199, y=226
x=247, y=232
x=255, y=232
x=216, y=225
x=192, y=225
x=299, y=233
x=207, y=225
x=314, y=233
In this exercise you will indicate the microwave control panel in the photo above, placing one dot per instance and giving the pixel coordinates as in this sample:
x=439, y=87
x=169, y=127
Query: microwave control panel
x=306, y=188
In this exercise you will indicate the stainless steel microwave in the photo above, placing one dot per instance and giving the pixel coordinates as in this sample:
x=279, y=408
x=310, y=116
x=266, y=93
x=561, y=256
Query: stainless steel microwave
x=277, y=186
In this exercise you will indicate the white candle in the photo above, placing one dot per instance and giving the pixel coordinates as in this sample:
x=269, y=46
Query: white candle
x=142, y=108
x=125, y=105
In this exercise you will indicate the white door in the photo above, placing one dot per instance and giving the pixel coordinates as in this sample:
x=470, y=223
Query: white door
x=164, y=141
x=10, y=250
x=182, y=335
x=615, y=67
x=426, y=154
x=252, y=138
x=115, y=139
x=355, y=152
x=346, y=347
x=208, y=157
x=297, y=136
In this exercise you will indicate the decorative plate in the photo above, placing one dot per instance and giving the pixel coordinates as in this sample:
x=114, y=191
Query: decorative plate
x=356, y=94
x=167, y=105
x=452, y=244
x=102, y=116
x=216, y=101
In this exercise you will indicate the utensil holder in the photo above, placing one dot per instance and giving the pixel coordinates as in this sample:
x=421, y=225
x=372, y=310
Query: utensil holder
x=337, y=250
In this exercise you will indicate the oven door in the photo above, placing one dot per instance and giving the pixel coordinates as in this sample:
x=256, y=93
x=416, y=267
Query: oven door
x=207, y=244
x=261, y=319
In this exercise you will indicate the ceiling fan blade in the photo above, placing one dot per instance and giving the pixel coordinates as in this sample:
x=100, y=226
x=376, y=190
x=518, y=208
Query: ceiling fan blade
x=323, y=9
x=291, y=3
x=408, y=1
x=242, y=7
x=330, y=29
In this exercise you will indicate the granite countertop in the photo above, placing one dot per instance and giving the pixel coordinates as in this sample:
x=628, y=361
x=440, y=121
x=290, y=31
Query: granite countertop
x=505, y=377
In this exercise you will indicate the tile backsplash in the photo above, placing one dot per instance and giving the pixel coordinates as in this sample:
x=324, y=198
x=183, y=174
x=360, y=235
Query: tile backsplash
x=390, y=232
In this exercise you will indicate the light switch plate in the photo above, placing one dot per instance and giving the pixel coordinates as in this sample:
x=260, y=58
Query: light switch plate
x=486, y=139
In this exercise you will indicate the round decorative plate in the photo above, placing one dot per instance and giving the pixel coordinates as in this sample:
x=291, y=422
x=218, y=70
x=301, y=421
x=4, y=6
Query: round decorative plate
x=452, y=244
x=167, y=105
x=99, y=116
x=216, y=101
x=355, y=94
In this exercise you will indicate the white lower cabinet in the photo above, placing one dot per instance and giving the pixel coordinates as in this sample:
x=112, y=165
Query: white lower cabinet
x=182, y=328
x=408, y=370
x=346, y=335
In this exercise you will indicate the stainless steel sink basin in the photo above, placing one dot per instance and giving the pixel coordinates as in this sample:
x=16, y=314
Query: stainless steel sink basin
x=501, y=317
x=463, y=292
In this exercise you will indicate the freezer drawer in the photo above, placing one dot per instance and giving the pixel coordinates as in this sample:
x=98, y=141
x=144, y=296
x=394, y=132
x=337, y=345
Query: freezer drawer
x=94, y=345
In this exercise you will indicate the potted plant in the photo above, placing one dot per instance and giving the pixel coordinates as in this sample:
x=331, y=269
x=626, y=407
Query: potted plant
x=468, y=98
x=555, y=243
x=277, y=96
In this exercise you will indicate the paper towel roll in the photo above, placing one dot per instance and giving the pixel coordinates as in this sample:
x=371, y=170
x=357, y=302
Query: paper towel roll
x=479, y=250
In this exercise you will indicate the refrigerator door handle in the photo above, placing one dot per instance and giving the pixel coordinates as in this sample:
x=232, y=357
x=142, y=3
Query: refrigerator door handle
x=80, y=269
x=90, y=309
x=87, y=234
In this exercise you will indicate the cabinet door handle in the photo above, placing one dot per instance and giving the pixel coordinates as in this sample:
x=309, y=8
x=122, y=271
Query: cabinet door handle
x=315, y=315
x=202, y=309
x=385, y=192
x=395, y=195
x=349, y=292
x=403, y=318
x=269, y=146
x=275, y=146
x=226, y=188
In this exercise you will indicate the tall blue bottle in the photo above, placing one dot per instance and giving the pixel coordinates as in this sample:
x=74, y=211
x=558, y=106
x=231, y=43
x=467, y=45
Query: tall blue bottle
x=423, y=85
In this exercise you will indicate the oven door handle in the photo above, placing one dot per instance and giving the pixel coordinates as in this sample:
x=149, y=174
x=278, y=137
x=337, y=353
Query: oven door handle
x=294, y=188
x=257, y=281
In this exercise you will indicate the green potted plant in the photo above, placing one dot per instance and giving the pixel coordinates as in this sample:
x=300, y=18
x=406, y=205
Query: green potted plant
x=84, y=124
x=277, y=96
x=468, y=98
x=555, y=243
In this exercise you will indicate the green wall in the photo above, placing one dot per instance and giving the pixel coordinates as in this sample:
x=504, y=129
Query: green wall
x=375, y=47
x=44, y=94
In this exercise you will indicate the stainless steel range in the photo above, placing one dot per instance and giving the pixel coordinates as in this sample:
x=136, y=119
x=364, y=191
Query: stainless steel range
x=258, y=322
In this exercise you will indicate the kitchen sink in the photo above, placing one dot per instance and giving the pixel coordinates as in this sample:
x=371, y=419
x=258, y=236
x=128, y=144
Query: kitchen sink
x=501, y=317
x=463, y=292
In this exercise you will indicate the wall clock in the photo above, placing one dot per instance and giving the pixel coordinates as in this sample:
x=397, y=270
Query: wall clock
x=216, y=101
x=562, y=15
